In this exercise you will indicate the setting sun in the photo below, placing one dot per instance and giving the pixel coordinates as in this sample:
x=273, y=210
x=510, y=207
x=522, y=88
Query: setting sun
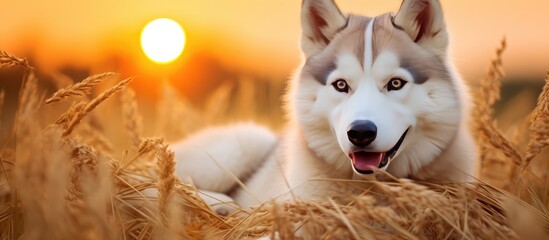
x=162, y=40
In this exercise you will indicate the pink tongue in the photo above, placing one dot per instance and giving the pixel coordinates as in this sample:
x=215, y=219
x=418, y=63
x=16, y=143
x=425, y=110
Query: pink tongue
x=364, y=161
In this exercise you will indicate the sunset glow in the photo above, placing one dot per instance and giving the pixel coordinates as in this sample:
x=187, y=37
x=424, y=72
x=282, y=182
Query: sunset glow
x=162, y=40
x=252, y=37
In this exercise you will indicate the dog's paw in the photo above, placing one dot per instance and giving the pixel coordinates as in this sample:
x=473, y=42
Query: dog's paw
x=220, y=203
x=223, y=209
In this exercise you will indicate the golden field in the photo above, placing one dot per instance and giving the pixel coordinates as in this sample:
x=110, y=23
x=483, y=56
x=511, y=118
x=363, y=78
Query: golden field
x=75, y=162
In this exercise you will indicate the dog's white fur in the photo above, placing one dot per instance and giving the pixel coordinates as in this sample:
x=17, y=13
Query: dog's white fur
x=366, y=53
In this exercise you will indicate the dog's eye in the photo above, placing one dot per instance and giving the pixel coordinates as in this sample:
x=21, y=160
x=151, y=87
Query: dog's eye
x=395, y=84
x=341, y=86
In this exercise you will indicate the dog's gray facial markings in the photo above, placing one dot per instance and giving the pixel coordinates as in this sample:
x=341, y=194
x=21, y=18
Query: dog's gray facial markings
x=421, y=63
x=353, y=39
x=319, y=68
x=349, y=39
x=424, y=68
x=418, y=75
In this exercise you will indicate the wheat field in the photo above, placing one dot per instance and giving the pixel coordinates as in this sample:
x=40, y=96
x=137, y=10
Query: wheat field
x=63, y=177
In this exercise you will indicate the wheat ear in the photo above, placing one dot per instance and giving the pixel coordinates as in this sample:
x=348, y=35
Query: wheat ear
x=539, y=125
x=131, y=116
x=79, y=89
x=166, y=179
x=9, y=60
x=93, y=104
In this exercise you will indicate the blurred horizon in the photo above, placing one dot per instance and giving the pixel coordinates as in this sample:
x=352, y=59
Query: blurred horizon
x=230, y=40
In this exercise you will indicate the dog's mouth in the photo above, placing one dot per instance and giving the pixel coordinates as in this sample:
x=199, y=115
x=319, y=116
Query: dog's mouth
x=365, y=162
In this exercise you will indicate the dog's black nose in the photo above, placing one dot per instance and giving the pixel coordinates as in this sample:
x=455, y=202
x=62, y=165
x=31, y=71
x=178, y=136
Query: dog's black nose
x=362, y=133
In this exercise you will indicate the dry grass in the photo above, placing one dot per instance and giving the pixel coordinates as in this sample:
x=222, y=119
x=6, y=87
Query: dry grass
x=485, y=127
x=539, y=125
x=92, y=105
x=132, y=118
x=66, y=180
x=9, y=60
x=80, y=89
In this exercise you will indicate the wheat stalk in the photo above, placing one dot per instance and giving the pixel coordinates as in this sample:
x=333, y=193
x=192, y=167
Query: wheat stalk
x=489, y=90
x=79, y=89
x=9, y=60
x=497, y=140
x=147, y=145
x=93, y=104
x=131, y=116
x=28, y=105
x=66, y=117
x=485, y=128
x=539, y=125
x=82, y=156
x=166, y=179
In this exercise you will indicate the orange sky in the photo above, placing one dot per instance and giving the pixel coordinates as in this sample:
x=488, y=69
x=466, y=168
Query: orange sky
x=258, y=36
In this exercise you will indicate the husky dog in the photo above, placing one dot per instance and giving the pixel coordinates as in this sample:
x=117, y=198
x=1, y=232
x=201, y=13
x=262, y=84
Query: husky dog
x=372, y=93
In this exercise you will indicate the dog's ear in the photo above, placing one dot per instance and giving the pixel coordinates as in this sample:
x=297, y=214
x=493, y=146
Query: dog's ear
x=320, y=22
x=423, y=21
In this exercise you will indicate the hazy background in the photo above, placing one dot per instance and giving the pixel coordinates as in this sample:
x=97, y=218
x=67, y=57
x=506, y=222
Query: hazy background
x=254, y=40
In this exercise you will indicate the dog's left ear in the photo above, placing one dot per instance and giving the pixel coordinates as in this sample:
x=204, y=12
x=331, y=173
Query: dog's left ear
x=320, y=22
x=423, y=21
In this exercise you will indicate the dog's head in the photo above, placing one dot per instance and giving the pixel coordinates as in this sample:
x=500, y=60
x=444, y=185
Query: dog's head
x=375, y=88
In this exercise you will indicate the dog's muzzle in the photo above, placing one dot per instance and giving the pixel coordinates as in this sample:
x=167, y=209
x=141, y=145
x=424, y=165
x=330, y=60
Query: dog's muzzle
x=365, y=162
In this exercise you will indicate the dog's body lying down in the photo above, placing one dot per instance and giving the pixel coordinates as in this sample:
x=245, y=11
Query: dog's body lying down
x=372, y=93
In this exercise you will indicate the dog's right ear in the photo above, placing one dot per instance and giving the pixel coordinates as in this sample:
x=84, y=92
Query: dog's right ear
x=423, y=21
x=320, y=22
